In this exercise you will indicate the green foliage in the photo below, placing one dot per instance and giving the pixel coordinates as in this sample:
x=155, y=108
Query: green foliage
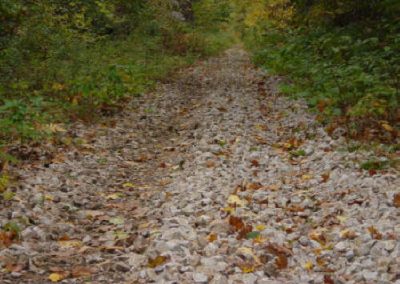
x=341, y=56
x=67, y=60
x=374, y=165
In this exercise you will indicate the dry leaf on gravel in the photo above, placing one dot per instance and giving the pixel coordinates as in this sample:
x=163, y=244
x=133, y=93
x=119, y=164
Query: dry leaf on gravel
x=157, y=261
x=375, y=234
x=235, y=200
x=396, y=200
x=236, y=223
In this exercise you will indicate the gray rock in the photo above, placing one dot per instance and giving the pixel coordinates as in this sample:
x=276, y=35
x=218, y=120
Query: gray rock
x=200, y=277
x=341, y=246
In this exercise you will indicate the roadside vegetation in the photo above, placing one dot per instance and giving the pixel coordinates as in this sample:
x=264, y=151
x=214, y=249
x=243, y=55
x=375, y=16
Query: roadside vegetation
x=343, y=57
x=63, y=61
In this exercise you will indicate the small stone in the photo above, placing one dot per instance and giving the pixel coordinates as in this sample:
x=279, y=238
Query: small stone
x=304, y=241
x=341, y=246
x=219, y=227
x=390, y=245
x=219, y=279
x=249, y=278
x=350, y=255
x=120, y=266
x=200, y=277
x=370, y=275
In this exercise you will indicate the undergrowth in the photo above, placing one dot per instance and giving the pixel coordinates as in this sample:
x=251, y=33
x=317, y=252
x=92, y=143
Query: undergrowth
x=62, y=62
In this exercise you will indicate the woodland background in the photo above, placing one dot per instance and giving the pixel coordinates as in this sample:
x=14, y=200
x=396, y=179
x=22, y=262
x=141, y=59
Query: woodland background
x=62, y=61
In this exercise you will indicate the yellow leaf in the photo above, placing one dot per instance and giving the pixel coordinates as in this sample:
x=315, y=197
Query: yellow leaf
x=114, y=196
x=259, y=240
x=55, y=277
x=248, y=253
x=308, y=265
x=48, y=197
x=128, y=185
x=212, y=237
x=260, y=227
x=341, y=218
x=70, y=244
x=53, y=127
x=247, y=268
x=229, y=210
x=159, y=260
x=234, y=199
x=306, y=177
x=387, y=127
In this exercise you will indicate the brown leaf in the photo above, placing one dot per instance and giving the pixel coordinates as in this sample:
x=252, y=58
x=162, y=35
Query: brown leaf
x=254, y=186
x=210, y=164
x=154, y=262
x=318, y=237
x=7, y=238
x=255, y=163
x=212, y=237
x=396, y=200
x=328, y=280
x=375, y=234
x=81, y=271
x=295, y=208
x=14, y=267
x=281, y=261
x=348, y=234
x=247, y=268
x=325, y=177
x=243, y=232
x=278, y=249
x=236, y=222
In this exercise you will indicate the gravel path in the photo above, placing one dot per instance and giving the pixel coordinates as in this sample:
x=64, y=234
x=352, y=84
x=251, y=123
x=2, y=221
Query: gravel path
x=213, y=178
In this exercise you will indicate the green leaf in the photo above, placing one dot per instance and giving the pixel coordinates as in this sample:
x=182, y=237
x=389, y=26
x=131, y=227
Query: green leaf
x=252, y=235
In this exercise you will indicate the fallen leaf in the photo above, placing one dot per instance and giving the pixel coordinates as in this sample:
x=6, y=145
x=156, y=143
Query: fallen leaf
x=212, y=237
x=249, y=253
x=396, y=200
x=328, y=280
x=254, y=186
x=56, y=277
x=70, y=244
x=128, y=185
x=121, y=235
x=387, y=127
x=318, y=237
x=281, y=261
x=210, y=164
x=157, y=261
x=236, y=222
x=321, y=261
x=306, y=177
x=255, y=163
x=278, y=249
x=252, y=235
x=325, y=177
x=348, y=234
x=7, y=238
x=375, y=234
x=115, y=196
x=341, y=218
x=308, y=265
x=235, y=200
x=117, y=220
x=247, y=268
x=244, y=232
x=81, y=271
x=14, y=267
x=229, y=210
x=260, y=227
